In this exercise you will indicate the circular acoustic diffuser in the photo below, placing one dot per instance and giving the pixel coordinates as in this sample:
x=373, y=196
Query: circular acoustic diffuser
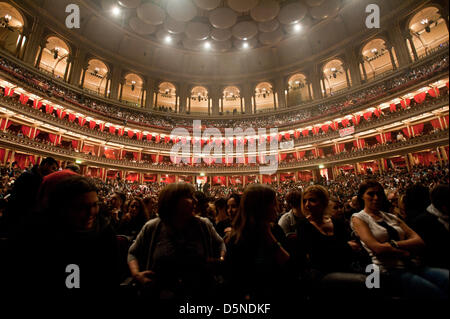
x=192, y=44
x=221, y=46
x=151, y=14
x=292, y=13
x=245, y=30
x=329, y=8
x=268, y=26
x=197, y=31
x=266, y=10
x=130, y=4
x=174, y=26
x=242, y=5
x=239, y=44
x=181, y=10
x=222, y=18
x=314, y=3
x=271, y=38
x=221, y=34
x=140, y=27
x=207, y=4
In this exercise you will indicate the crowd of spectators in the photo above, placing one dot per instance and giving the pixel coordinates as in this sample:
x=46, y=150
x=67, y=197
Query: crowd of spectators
x=219, y=243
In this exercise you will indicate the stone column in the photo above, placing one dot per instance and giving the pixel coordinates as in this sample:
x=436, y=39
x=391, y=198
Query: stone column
x=115, y=81
x=397, y=40
x=391, y=56
x=247, y=92
x=79, y=63
x=33, y=41
x=280, y=88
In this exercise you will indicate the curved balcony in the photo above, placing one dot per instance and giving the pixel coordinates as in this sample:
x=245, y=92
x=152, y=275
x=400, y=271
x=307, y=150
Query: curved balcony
x=414, y=144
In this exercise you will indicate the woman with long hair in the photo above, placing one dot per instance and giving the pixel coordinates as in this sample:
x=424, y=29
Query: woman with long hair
x=391, y=243
x=136, y=216
x=255, y=254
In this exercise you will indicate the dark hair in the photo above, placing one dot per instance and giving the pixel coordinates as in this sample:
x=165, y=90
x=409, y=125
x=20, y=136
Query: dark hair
x=372, y=184
x=294, y=199
x=143, y=214
x=252, y=210
x=49, y=161
x=221, y=203
x=169, y=197
x=65, y=190
x=439, y=196
x=321, y=193
x=73, y=167
x=236, y=197
x=122, y=196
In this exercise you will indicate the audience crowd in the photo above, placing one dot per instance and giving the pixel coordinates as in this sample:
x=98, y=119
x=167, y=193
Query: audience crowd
x=304, y=239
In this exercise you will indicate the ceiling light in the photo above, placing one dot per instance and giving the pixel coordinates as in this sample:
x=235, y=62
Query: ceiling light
x=245, y=45
x=115, y=11
x=424, y=21
x=297, y=27
x=207, y=45
x=168, y=39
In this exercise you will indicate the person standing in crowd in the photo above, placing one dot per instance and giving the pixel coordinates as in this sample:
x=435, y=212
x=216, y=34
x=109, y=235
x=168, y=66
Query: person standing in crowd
x=233, y=203
x=256, y=259
x=223, y=220
x=63, y=232
x=391, y=244
x=432, y=226
x=173, y=254
x=23, y=197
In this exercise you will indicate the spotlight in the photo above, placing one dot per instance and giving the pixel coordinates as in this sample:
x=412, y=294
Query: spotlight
x=55, y=53
x=207, y=45
x=168, y=39
x=115, y=11
x=245, y=45
x=297, y=27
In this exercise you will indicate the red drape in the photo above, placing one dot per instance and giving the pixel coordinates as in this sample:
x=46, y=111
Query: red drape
x=356, y=119
x=139, y=135
x=392, y=107
x=149, y=137
x=92, y=124
x=60, y=113
x=305, y=132
x=101, y=126
x=48, y=109
x=112, y=129
x=378, y=137
x=37, y=104
x=74, y=144
x=419, y=98
x=3, y=124
x=130, y=134
x=325, y=128
x=388, y=136
x=26, y=130
x=316, y=129
x=81, y=121
x=23, y=98
x=435, y=123
x=72, y=117
x=367, y=115
x=406, y=132
x=283, y=156
x=345, y=122
x=418, y=129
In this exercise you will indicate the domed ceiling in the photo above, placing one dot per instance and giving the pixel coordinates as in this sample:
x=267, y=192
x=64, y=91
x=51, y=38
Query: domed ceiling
x=220, y=25
x=211, y=40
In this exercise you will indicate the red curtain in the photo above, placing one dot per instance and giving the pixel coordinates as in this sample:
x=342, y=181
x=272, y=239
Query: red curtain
x=356, y=119
x=419, y=98
x=345, y=122
x=23, y=98
x=48, y=109
x=3, y=124
x=101, y=127
x=92, y=124
x=283, y=156
x=367, y=115
x=418, y=129
x=435, y=123
x=60, y=113
x=305, y=132
x=112, y=129
x=388, y=136
x=37, y=104
x=325, y=128
x=341, y=147
x=72, y=117
x=433, y=92
x=81, y=121
x=74, y=144
x=287, y=136
x=120, y=131
x=149, y=137
x=446, y=119
x=392, y=107
x=2, y=154
x=139, y=135
x=316, y=129
x=406, y=132
x=377, y=112
x=26, y=130
x=362, y=142
x=334, y=125
x=378, y=137
x=157, y=138
x=130, y=134
x=52, y=137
